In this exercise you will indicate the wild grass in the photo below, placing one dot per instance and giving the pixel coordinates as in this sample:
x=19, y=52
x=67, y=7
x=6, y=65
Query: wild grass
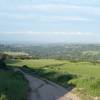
x=85, y=76
x=13, y=86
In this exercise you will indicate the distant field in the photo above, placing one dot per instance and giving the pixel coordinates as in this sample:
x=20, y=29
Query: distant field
x=85, y=76
x=35, y=63
x=16, y=53
x=13, y=86
x=91, y=52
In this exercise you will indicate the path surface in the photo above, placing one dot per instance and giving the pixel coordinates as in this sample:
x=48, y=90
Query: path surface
x=42, y=90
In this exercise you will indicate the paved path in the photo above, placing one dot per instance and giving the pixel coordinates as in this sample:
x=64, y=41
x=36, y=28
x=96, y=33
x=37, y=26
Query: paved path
x=42, y=90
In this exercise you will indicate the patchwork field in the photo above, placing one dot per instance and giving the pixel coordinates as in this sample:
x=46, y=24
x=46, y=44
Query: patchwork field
x=84, y=76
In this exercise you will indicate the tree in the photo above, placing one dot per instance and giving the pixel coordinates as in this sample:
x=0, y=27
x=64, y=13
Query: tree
x=2, y=61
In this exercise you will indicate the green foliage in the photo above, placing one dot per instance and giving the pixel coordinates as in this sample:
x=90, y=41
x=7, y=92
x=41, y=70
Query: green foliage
x=2, y=61
x=72, y=52
x=13, y=86
x=3, y=97
x=84, y=75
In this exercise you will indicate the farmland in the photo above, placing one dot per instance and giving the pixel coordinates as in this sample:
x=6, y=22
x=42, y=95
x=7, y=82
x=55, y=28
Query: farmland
x=72, y=52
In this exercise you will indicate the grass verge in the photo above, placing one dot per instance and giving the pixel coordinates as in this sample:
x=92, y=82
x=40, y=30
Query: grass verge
x=13, y=86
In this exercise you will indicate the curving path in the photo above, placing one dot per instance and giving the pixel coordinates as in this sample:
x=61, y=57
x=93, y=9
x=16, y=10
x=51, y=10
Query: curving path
x=46, y=90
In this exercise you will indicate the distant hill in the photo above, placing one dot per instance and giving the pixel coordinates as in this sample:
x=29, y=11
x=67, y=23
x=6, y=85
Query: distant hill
x=76, y=52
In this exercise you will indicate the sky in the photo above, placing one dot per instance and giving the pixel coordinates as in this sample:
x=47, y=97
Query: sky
x=44, y=21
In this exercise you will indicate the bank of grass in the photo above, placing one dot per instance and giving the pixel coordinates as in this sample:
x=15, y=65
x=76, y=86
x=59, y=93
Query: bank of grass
x=85, y=76
x=13, y=86
x=34, y=63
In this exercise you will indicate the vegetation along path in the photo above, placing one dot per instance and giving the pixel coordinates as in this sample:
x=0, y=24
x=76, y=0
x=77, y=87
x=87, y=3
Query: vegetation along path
x=42, y=90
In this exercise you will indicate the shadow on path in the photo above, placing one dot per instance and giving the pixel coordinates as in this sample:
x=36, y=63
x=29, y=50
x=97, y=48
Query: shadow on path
x=42, y=89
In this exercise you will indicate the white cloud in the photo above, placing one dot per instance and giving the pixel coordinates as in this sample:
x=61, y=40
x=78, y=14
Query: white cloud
x=61, y=8
x=74, y=10
x=67, y=18
x=46, y=7
x=16, y=16
x=49, y=33
x=42, y=18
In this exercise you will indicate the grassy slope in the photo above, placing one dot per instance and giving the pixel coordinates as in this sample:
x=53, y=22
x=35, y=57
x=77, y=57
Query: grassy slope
x=83, y=75
x=13, y=86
